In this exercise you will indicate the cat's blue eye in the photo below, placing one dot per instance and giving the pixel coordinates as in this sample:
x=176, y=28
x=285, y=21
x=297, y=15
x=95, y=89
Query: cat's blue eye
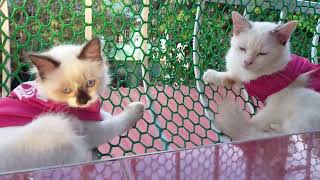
x=242, y=49
x=91, y=83
x=262, y=54
x=66, y=90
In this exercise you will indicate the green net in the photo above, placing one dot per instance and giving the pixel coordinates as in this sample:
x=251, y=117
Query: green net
x=157, y=52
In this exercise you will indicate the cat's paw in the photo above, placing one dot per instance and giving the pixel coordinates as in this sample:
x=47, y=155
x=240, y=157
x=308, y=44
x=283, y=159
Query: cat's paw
x=136, y=107
x=214, y=77
x=273, y=127
x=211, y=77
x=221, y=125
x=135, y=110
x=228, y=82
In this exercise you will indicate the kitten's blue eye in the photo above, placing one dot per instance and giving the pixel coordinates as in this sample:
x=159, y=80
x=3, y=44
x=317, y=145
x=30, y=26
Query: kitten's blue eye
x=242, y=49
x=90, y=83
x=66, y=90
x=262, y=54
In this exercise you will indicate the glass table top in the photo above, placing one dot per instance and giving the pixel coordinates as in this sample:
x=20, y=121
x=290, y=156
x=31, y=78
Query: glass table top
x=286, y=157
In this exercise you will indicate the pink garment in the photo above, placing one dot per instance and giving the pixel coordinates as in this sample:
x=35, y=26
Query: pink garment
x=265, y=86
x=24, y=104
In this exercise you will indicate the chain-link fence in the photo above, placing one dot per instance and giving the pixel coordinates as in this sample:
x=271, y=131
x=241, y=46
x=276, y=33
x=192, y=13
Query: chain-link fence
x=157, y=51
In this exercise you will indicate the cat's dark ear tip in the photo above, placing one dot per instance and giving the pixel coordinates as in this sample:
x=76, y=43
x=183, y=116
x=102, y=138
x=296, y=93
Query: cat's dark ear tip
x=91, y=50
x=30, y=55
x=35, y=58
x=96, y=40
x=235, y=13
x=295, y=22
x=24, y=54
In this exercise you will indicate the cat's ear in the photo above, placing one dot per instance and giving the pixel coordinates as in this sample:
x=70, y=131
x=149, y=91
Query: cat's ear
x=283, y=32
x=44, y=64
x=240, y=23
x=91, y=50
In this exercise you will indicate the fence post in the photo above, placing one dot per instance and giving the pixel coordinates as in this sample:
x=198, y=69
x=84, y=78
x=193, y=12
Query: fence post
x=315, y=43
x=145, y=36
x=88, y=19
x=145, y=64
x=5, y=41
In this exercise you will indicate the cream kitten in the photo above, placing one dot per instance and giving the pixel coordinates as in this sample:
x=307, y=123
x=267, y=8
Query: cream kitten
x=258, y=49
x=74, y=75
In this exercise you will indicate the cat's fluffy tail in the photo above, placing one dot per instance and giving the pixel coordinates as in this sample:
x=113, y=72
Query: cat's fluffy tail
x=232, y=121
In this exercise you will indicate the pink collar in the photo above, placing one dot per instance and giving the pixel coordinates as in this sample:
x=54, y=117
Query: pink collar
x=24, y=104
x=265, y=86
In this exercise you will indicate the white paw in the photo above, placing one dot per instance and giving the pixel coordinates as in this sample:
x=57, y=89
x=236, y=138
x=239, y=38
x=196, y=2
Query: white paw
x=219, y=125
x=210, y=76
x=135, y=111
x=275, y=127
x=137, y=107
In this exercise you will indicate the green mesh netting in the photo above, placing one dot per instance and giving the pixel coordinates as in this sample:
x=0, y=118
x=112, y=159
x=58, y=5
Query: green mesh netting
x=157, y=51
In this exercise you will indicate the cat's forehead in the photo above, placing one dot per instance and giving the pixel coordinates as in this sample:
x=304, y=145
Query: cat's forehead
x=75, y=76
x=258, y=36
x=263, y=26
x=81, y=69
x=71, y=67
x=64, y=52
x=260, y=31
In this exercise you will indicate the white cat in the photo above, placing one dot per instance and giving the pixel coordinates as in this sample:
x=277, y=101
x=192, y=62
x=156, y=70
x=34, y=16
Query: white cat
x=74, y=75
x=260, y=54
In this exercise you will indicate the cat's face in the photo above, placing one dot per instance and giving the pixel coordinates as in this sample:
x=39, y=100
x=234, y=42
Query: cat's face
x=72, y=74
x=259, y=45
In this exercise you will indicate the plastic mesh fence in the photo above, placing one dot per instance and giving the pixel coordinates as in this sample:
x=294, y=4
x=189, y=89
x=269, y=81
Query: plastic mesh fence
x=155, y=53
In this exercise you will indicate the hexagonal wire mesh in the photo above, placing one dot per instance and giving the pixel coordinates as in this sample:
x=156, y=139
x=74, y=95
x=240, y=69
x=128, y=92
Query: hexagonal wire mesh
x=157, y=52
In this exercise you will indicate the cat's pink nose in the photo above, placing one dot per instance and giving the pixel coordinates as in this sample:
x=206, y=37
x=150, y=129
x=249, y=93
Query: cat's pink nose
x=248, y=62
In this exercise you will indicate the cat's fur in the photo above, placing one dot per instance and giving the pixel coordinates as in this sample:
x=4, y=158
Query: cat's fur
x=257, y=49
x=59, y=138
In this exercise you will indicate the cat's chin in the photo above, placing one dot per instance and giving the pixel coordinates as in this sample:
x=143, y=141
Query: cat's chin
x=88, y=104
x=81, y=106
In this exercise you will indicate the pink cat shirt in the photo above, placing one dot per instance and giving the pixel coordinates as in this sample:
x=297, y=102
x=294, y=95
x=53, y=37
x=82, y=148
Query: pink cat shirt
x=267, y=85
x=24, y=104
